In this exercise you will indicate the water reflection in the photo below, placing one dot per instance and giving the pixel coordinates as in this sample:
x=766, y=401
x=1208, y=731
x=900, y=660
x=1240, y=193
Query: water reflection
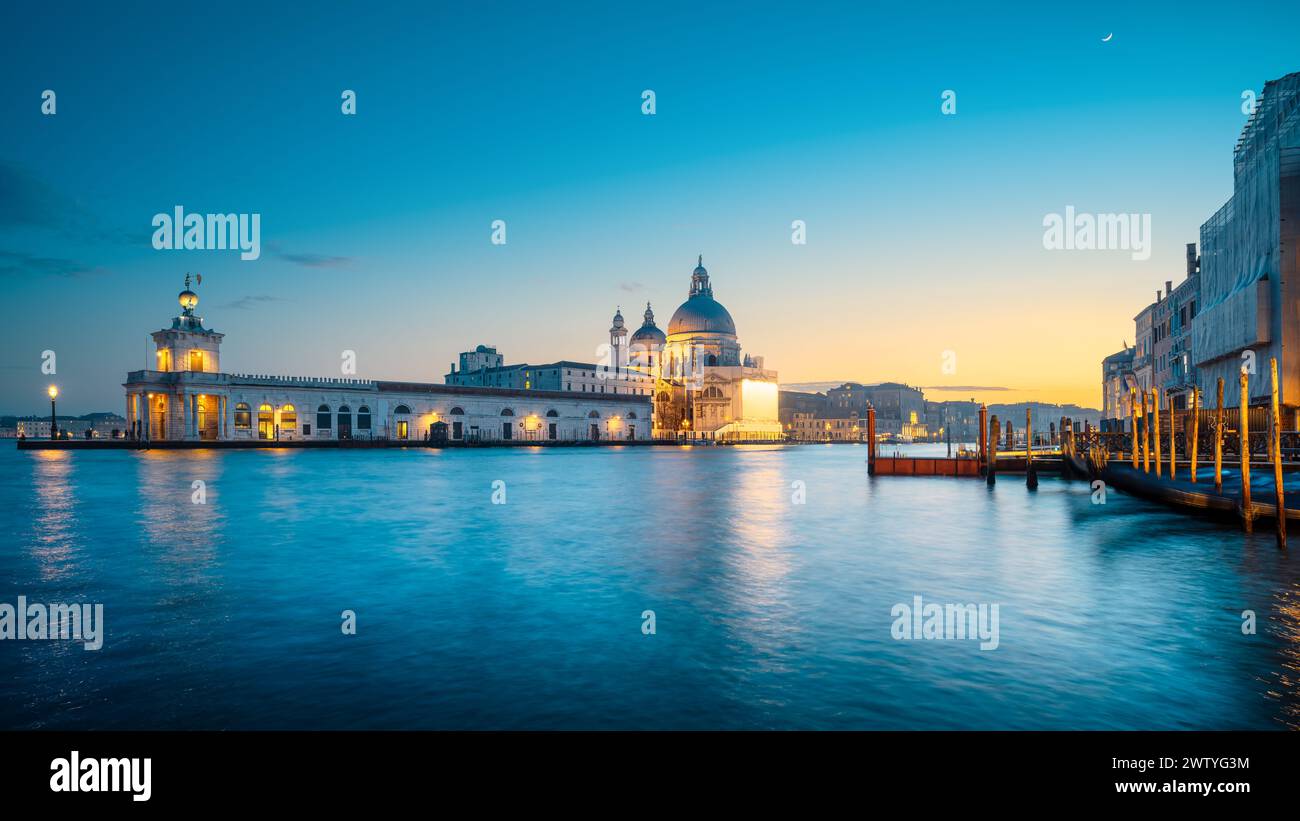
x=184, y=525
x=54, y=525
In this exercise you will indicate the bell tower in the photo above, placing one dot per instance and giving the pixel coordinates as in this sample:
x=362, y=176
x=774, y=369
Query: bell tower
x=618, y=341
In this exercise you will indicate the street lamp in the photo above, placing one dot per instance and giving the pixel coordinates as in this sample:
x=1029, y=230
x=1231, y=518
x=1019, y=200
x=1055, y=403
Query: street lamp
x=54, y=425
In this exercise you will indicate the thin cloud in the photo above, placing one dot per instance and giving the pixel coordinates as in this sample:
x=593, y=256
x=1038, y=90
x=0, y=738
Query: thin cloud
x=250, y=301
x=18, y=264
x=307, y=259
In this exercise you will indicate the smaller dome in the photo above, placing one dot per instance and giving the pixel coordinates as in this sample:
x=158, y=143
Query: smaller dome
x=649, y=335
x=188, y=299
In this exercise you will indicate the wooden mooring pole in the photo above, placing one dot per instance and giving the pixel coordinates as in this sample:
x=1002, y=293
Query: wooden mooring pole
x=994, y=430
x=1247, y=512
x=984, y=438
x=1155, y=420
x=1275, y=437
x=1218, y=438
x=1031, y=474
x=1173, y=441
x=1196, y=428
x=871, y=440
x=1146, y=433
x=1133, y=419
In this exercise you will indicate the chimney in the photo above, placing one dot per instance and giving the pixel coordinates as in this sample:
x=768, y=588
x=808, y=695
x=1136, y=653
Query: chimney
x=1157, y=296
x=1169, y=287
x=1193, y=261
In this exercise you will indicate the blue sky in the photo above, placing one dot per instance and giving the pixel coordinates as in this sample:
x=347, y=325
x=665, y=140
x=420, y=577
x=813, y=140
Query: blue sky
x=924, y=230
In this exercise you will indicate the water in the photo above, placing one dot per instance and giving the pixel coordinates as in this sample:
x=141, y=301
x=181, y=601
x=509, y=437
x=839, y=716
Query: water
x=529, y=614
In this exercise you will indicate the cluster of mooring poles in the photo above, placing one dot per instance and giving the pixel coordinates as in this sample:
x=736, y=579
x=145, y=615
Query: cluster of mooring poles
x=1146, y=437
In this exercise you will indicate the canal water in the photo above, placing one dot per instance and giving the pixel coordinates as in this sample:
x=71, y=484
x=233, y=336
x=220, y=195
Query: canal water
x=773, y=575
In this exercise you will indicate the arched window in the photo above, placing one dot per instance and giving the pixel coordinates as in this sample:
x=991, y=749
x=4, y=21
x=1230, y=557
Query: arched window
x=243, y=416
x=631, y=414
x=710, y=360
x=345, y=417
x=593, y=415
x=457, y=412
x=400, y=409
x=712, y=392
x=288, y=417
x=363, y=418
x=323, y=418
x=552, y=413
x=507, y=412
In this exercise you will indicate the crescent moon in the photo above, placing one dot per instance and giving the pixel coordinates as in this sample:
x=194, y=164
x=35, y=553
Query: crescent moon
x=1106, y=39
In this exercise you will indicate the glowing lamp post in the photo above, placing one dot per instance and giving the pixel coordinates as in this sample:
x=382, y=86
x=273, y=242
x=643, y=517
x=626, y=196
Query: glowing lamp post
x=54, y=425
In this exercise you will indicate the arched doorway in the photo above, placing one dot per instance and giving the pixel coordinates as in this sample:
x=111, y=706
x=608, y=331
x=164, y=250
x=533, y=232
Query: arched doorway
x=265, y=422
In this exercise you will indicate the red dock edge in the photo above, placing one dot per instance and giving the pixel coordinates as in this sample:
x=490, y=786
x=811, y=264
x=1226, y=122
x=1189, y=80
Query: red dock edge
x=926, y=466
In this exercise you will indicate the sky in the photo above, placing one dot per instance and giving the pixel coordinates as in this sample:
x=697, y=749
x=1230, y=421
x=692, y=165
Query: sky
x=924, y=259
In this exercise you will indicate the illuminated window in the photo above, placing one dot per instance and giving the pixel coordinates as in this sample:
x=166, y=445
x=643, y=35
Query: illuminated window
x=288, y=417
x=196, y=360
x=243, y=416
x=165, y=359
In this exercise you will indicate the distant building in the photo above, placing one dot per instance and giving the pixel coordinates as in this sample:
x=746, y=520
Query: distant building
x=100, y=426
x=900, y=409
x=479, y=359
x=581, y=377
x=955, y=421
x=1144, y=365
x=1172, y=321
x=792, y=402
x=1117, y=384
x=1249, y=281
x=809, y=427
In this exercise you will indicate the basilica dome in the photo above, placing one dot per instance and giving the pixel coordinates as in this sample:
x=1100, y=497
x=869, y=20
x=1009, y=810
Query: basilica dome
x=701, y=313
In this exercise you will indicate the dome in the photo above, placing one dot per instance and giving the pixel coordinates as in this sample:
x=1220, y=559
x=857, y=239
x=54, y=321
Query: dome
x=188, y=299
x=649, y=335
x=701, y=314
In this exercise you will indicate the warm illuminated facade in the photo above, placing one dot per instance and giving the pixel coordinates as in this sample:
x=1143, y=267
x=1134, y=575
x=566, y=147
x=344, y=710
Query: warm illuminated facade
x=187, y=397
